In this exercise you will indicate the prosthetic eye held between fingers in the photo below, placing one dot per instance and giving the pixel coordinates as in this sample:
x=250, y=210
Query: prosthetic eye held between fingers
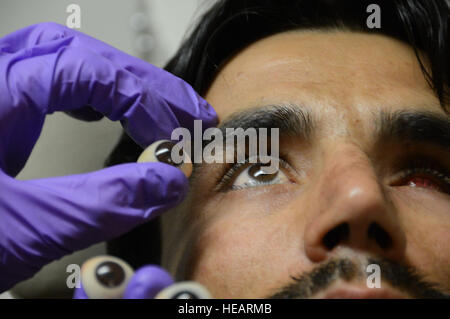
x=106, y=276
x=160, y=151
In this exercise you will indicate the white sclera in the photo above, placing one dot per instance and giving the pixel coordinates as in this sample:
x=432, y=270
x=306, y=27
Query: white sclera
x=183, y=289
x=148, y=155
x=95, y=289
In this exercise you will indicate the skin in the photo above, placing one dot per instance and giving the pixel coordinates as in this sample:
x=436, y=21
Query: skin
x=247, y=243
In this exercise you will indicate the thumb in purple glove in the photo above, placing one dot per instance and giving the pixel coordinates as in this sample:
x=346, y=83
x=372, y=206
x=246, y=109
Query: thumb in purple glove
x=147, y=282
x=73, y=212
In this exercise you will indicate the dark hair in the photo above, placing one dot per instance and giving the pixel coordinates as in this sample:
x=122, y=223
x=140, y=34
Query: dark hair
x=230, y=25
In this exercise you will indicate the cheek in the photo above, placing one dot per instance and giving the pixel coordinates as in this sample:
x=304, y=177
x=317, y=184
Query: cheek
x=430, y=255
x=245, y=254
x=427, y=226
x=223, y=256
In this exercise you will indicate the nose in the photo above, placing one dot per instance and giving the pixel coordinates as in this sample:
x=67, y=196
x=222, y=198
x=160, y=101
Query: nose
x=352, y=210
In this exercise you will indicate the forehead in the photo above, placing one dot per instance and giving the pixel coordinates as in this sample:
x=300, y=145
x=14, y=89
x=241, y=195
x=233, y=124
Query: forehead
x=334, y=73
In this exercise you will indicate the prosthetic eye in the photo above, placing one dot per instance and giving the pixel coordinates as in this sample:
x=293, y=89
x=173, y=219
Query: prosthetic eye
x=161, y=151
x=184, y=290
x=105, y=277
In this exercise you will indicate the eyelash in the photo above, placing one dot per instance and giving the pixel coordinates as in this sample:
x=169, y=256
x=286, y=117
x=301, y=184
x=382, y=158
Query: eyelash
x=230, y=174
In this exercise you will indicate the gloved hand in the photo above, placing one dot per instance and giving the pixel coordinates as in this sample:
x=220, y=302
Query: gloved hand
x=48, y=67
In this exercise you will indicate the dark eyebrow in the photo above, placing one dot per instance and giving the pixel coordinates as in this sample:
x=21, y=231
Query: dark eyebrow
x=414, y=126
x=294, y=120
x=291, y=119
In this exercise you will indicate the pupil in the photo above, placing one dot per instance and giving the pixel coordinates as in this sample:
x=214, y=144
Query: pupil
x=257, y=172
x=110, y=274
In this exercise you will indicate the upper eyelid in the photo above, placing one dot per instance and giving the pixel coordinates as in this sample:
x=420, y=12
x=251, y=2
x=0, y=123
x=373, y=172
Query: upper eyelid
x=419, y=160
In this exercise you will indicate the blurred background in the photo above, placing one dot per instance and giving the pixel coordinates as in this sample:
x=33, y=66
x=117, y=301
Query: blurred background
x=149, y=29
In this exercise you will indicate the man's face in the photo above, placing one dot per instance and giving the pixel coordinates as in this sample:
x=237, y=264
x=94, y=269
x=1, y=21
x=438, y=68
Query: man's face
x=366, y=182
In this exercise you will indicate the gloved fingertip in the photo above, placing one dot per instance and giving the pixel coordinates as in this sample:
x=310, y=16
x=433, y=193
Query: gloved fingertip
x=147, y=282
x=210, y=116
x=162, y=151
x=166, y=185
x=79, y=293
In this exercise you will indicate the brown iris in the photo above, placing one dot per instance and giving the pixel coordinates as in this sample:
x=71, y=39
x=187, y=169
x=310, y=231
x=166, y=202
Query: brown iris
x=110, y=274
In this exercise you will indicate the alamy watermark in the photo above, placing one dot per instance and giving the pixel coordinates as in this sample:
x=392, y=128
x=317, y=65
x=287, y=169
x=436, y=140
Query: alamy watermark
x=374, y=279
x=374, y=19
x=229, y=145
x=74, y=278
x=73, y=20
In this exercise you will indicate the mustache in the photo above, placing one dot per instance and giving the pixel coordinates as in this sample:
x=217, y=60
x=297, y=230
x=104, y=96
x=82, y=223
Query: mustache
x=403, y=278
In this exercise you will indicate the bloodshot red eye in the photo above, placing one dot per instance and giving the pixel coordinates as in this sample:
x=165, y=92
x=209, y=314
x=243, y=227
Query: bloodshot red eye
x=424, y=182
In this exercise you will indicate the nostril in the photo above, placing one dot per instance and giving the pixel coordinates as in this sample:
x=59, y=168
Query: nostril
x=336, y=235
x=381, y=237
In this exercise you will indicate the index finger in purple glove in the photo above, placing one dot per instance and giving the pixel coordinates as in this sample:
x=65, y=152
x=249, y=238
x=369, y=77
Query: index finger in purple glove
x=48, y=67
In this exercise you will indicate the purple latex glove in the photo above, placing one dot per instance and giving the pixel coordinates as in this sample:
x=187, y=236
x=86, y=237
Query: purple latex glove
x=146, y=283
x=48, y=67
